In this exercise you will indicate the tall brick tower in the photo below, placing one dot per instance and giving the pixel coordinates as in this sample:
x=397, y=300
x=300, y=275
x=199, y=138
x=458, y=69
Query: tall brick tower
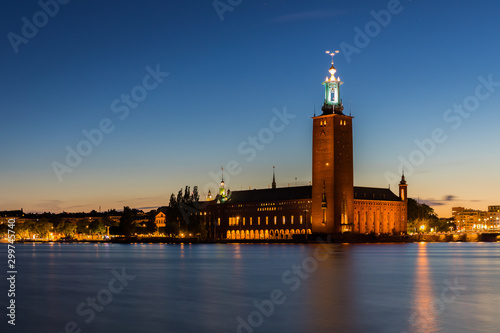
x=332, y=187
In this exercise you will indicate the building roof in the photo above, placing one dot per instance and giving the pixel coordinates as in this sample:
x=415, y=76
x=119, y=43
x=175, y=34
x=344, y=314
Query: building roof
x=271, y=194
x=374, y=193
x=305, y=192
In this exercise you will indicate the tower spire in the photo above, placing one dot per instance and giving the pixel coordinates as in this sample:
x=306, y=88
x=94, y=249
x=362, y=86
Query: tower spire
x=403, y=180
x=333, y=103
x=274, y=178
x=403, y=187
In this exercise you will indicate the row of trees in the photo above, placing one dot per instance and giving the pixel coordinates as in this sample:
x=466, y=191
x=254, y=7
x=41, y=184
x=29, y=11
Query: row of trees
x=45, y=229
x=422, y=218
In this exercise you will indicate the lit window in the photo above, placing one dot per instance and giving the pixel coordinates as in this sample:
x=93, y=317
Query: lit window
x=243, y=221
x=300, y=219
x=283, y=219
x=218, y=221
x=250, y=221
x=258, y=220
x=267, y=220
x=291, y=219
x=275, y=219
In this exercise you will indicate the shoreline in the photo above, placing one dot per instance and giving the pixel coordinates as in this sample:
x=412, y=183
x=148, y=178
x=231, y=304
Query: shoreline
x=312, y=239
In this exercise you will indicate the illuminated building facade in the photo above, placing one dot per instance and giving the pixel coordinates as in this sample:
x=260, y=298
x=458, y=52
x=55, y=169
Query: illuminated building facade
x=331, y=205
x=477, y=220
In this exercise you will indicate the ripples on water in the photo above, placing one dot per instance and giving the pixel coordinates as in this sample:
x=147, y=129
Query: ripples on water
x=219, y=288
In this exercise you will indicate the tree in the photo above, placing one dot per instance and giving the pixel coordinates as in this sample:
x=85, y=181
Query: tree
x=422, y=218
x=172, y=203
x=23, y=230
x=4, y=230
x=108, y=222
x=97, y=227
x=82, y=227
x=43, y=228
x=127, y=225
x=151, y=225
x=66, y=228
x=195, y=196
x=187, y=195
x=179, y=197
x=172, y=228
x=182, y=210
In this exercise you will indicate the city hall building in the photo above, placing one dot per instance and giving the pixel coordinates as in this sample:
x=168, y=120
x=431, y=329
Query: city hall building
x=331, y=205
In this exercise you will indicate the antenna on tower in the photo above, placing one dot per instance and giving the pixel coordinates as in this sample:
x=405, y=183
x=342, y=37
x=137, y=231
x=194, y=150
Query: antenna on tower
x=350, y=109
x=315, y=109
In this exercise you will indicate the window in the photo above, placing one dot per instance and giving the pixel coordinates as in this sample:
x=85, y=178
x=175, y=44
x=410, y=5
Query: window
x=243, y=221
x=267, y=220
x=218, y=221
x=284, y=219
x=291, y=219
x=275, y=219
x=300, y=219
x=258, y=220
x=250, y=221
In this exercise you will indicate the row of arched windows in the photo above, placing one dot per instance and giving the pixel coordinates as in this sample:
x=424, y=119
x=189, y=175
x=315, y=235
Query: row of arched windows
x=265, y=234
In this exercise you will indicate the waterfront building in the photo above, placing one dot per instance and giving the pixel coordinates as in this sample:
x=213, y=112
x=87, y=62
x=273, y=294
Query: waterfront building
x=160, y=220
x=332, y=204
x=476, y=220
x=456, y=210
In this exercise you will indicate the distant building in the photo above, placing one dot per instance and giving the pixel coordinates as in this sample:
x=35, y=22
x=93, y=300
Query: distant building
x=473, y=220
x=160, y=220
x=331, y=205
x=456, y=210
x=494, y=216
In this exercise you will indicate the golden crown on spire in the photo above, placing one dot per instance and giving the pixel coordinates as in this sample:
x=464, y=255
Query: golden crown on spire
x=332, y=69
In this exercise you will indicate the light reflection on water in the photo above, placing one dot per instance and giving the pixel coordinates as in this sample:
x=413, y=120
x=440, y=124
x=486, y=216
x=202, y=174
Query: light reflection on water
x=214, y=288
x=425, y=309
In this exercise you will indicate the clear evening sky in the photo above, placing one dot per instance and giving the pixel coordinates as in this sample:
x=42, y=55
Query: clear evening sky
x=426, y=74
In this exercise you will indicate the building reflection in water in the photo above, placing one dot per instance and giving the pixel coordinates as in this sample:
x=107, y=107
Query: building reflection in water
x=328, y=309
x=424, y=308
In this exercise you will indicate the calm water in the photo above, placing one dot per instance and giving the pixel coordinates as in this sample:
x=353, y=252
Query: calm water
x=220, y=288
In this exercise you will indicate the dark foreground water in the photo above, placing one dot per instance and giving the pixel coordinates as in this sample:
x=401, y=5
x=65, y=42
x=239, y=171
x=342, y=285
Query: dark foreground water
x=255, y=288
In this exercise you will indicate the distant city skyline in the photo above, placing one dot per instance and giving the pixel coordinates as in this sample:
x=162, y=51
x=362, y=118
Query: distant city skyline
x=155, y=96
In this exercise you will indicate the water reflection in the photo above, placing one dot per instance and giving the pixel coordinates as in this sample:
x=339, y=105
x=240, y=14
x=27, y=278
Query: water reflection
x=328, y=290
x=209, y=287
x=423, y=317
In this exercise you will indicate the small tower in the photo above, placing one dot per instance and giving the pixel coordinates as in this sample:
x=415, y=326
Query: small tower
x=403, y=188
x=209, y=196
x=222, y=196
x=274, y=179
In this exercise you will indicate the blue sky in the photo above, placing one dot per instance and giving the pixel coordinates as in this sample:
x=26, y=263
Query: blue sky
x=225, y=79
